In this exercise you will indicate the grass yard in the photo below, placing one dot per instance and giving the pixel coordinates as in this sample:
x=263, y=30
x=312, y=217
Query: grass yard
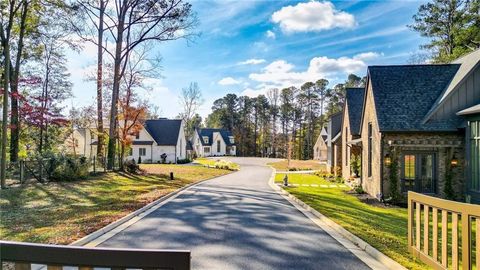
x=62, y=212
x=299, y=165
x=383, y=228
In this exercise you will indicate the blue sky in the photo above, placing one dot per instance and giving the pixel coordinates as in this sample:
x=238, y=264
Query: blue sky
x=247, y=47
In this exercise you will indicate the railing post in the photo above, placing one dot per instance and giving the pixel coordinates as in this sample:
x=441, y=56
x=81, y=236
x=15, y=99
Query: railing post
x=466, y=246
x=410, y=221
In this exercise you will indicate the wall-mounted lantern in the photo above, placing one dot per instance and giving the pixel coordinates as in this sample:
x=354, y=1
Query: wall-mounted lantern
x=388, y=160
x=454, y=161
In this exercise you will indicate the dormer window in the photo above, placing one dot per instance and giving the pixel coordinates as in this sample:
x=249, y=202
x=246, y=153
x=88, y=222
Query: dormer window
x=137, y=136
x=205, y=139
x=232, y=140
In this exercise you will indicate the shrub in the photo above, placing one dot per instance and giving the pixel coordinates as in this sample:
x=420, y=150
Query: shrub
x=226, y=165
x=358, y=189
x=183, y=161
x=139, y=160
x=66, y=168
x=131, y=166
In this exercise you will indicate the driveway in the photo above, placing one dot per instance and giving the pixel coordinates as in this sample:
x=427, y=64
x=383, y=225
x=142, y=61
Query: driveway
x=238, y=222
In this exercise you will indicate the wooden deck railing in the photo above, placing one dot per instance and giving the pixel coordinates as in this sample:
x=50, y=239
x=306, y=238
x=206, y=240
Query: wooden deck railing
x=444, y=234
x=22, y=255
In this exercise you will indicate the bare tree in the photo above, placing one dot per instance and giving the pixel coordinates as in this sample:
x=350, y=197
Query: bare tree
x=190, y=99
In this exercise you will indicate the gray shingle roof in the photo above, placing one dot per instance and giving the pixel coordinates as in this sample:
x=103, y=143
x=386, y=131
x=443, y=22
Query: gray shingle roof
x=336, y=119
x=354, y=102
x=209, y=133
x=164, y=131
x=404, y=95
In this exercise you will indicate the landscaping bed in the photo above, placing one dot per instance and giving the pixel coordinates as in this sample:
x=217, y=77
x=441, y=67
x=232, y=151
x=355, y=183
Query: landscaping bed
x=298, y=165
x=62, y=212
x=218, y=163
x=385, y=228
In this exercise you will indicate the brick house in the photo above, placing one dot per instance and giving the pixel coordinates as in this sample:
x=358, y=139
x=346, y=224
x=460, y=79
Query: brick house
x=424, y=119
x=320, y=147
x=334, y=143
x=352, y=112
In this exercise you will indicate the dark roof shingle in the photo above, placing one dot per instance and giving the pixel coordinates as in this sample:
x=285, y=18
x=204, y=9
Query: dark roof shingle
x=164, y=131
x=354, y=97
x=336, y=119
x=404, y=94
x=209, y=133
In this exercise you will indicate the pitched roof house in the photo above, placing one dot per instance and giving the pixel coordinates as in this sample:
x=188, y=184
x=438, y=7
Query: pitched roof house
x=320, y=147
x=162, y=140
x=352, y=112
x=213, y=142
x=409, y=118
x=334, y=145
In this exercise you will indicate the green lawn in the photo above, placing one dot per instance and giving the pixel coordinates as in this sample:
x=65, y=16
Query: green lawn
x=383, y=228
x=299, y=165
x=62, y=212
x=301, y=179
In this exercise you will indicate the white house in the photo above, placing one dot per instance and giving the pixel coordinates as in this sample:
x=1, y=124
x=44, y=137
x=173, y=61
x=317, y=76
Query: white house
x=213, y=142
x=161, y=141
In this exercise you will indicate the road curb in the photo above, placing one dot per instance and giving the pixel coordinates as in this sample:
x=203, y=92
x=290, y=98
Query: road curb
x=101, y=235
x=383, y=261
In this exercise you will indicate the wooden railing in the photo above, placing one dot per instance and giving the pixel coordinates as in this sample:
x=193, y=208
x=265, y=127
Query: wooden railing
x=450, y=243
x=23, y=255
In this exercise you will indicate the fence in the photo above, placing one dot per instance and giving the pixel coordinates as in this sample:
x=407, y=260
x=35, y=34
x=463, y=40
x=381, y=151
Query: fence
x=459, y=241
x=23, y=255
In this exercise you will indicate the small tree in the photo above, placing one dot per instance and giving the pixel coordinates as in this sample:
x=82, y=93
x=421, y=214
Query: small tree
x=394, y=194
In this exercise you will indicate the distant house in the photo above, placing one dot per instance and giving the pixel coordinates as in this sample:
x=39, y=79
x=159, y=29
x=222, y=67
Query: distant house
x=162, y=140
x=320, y=148
x=426, y=119
x=213, y=142
x=352, y=113
x=334, y=143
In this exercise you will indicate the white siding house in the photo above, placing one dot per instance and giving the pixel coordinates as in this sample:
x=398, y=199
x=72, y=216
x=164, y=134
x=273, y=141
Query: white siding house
x=213, y=142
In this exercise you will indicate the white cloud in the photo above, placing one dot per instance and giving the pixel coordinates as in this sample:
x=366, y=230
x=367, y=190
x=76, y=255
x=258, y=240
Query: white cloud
x=282, y=74
x=312, y=16
x=270, y=34
x=252, y=61
x=228, y=81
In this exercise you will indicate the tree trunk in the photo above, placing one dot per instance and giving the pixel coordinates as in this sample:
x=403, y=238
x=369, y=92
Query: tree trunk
x=6, y=76
x=14, y=119
x=115, y=91
x=100, y=82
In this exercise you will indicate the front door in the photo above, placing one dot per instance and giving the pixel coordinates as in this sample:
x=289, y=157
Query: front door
x=418, y=172
x=473, y=161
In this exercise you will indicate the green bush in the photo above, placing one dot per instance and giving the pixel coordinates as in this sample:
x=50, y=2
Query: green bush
x=66, y=168
x=358, y=189
x=183, y=161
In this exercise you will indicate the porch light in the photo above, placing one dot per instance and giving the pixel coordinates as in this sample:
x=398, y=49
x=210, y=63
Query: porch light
x=388, y=160
x=454, y=161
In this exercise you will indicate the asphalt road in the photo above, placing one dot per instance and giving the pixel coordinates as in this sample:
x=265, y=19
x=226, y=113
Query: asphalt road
x=238, y=222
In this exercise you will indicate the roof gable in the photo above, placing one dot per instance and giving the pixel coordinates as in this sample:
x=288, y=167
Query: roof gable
x=336, y=119
x=404, y=94
x=354, y=103
x=208, y=132
x=164, y=131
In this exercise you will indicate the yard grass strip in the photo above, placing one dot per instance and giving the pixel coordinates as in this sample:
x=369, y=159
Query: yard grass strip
x=385, y=228
x=298, y=165
x=62, y=212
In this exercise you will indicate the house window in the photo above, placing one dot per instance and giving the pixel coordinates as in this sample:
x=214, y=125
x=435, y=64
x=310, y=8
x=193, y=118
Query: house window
x=475, y=155
x=142, y=152
x=232, y=140
x=418, y=172
x=370, y=134
x=346, y=147
x=137, y=136
x=206, y=149
x=218, y=146
x=205, y=139
x=130, y=152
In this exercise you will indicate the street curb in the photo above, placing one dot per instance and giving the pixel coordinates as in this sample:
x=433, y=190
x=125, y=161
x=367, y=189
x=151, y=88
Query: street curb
x=385, y=261
x=103, y=234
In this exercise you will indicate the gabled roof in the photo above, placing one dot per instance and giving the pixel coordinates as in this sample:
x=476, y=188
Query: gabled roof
x=404, y=94
x=209, y=133
x=467, y=64
x=336, y=119
x=164, y=131
x=354, y=101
